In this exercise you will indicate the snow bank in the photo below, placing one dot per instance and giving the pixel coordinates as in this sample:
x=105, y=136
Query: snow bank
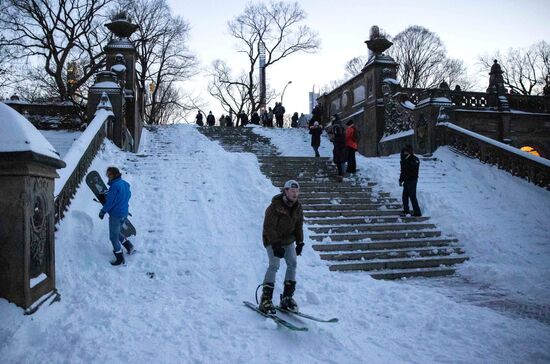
x=17, y=134
x=199, y=211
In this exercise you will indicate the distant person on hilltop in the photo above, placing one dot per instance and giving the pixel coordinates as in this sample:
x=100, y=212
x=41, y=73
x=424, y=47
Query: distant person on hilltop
x=270, y=118
x=198, y=119
x=283, y=225
x=315, y=130
x=222, y=120
x=228, y=121
x=243, y=118
x=117, y=205
x=255, y=119
x=408, y=178
x=279, y=112
x=210, y=119
x=294, y=120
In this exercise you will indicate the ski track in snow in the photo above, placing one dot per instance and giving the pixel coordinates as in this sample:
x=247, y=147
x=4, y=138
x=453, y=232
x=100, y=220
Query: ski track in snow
x=199, y=211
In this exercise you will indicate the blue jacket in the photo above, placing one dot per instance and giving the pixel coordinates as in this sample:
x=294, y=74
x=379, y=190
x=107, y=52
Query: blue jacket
x=118, y=196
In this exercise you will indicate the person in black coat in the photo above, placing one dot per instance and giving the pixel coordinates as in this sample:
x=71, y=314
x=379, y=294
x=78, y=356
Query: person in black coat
x=228, y=121
x=255, y=119
x=210, y=119
x=339, y=152
x=409, y=179
x=315, y=130
x=294, y=120
x=198, y=119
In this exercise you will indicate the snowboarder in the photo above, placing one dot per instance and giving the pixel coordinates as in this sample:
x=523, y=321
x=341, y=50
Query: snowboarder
x=255, y=119
x=116, y=205
x=210, y=119
x=198, y=119
x=409, y=179
x=316, y=132
x=294, y=120
x=283, y=225
x=352, y=138
x=279, y=112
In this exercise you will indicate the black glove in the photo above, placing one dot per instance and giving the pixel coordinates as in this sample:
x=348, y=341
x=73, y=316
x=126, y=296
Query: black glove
x=102, y=199
x=101, y=215
x=299, y=247
x=278, y=251
x=400, y=183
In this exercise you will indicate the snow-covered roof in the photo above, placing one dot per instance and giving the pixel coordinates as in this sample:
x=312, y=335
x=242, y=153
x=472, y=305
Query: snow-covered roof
x=118, y=68
x=17, y=134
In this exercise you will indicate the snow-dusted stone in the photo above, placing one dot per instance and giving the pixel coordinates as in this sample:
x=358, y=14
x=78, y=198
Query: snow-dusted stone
x=17, y=134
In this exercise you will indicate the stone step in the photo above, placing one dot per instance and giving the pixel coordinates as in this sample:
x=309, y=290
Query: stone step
x=346, y=200
x=385, y=244
x=343, y=207
x=327, y=185
x=365, y=193
x=285, y=159
x=399, y=263
x=411, y=273
x=350, y=213
x=363, y=220
x=391, y=254
x=379, y=235
x=342, y=229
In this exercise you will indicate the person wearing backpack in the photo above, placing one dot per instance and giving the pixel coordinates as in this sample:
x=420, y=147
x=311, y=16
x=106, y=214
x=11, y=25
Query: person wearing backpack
x=316, y=132
x=337, y=135
x=351, y=146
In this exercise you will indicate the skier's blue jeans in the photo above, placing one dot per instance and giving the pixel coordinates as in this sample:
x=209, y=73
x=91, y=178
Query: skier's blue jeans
x=115, y=227
x=274, y=263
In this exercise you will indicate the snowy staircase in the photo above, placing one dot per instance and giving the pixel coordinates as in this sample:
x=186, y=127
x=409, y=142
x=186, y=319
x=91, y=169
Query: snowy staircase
x=356, y=228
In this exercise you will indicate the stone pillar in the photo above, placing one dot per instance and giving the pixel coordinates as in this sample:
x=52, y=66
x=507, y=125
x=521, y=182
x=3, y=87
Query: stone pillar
x=28, y=166
x=106, y=83
x=378, y=68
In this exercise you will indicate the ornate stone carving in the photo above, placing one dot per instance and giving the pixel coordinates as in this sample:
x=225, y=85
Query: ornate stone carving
x=396, y=117
x=39, y=226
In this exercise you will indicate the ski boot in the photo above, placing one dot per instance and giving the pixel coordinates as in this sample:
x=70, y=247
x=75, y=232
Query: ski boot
x=287, y=302
x=119, y=258
x=266, y=305
x=129, y=247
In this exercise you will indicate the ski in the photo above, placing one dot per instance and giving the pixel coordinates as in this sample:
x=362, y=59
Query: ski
x=275, y=318
x=306, y=316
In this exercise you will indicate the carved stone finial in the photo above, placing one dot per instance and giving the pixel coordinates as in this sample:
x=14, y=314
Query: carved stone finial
x=444, y=86
x=458, y=88
x=377, y=43
x=104, y=103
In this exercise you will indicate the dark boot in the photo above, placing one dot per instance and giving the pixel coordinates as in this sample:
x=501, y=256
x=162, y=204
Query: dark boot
x=266, y=304
x=129, y=247
x=287, y=302
x=119, y=258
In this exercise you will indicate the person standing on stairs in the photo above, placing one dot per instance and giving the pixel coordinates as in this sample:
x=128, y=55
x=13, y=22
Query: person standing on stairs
x=116, y=205
x=337, y=135
x=283, y=225
x=315, y=130
x=409, y=179
x=352, y=139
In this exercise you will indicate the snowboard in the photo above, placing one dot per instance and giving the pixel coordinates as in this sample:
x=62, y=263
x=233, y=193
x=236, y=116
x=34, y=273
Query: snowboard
x=99, y=188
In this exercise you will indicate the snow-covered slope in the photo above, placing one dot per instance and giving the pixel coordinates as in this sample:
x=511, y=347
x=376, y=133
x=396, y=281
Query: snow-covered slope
x=199, y=212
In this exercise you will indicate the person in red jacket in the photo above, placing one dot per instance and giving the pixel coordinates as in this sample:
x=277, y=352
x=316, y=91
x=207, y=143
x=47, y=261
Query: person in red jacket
x=351, y=145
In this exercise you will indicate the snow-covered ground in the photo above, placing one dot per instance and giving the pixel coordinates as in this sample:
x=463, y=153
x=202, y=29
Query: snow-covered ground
x=199, y=212
x=501, y=220
x=62, y=140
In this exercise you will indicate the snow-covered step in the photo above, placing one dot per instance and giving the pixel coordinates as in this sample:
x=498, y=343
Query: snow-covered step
x=400, y=263
x=343, y=207
x=385, y=244
x=316, y=221
x=345, y=200
x=369, y=227
x=392, y=253
x=379, y=235
x=411, y=273
x=348, y=213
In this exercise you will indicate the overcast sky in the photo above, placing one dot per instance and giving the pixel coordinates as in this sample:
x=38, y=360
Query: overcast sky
x=468, y=28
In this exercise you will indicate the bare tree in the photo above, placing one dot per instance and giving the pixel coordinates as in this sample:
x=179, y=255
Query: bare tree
x=355, y=65
x=279, y=27
x=525, y=69
x=231, y=91
x=53, y=34
x=163, y=58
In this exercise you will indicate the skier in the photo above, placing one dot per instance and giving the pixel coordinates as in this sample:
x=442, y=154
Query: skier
x=409, y=179
x=294, y=120
x=316, y=132
x=283, y=225
x=116, y=205
x=210, y=119
x=198, y=119
x=352, y=137
x=255, y=119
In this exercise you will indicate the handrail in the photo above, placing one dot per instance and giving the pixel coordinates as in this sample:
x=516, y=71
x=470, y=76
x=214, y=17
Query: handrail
x=521, y=164
x=78, y=160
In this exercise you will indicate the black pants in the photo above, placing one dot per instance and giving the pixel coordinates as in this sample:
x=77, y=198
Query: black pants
x=352, y=165
x=279, y=121
x=316, y=149
x=409, y=192
x=340, y=166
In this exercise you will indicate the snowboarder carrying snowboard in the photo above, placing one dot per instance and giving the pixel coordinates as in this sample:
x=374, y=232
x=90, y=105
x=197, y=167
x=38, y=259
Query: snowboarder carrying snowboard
x=116, y=205
x=283, y=225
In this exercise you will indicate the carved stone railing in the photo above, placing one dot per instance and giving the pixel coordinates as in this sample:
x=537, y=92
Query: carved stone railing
x=518, y=163
x=536, y=104
x=78, y=160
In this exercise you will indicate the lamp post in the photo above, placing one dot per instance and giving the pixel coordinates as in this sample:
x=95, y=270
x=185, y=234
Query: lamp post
x=284, y=89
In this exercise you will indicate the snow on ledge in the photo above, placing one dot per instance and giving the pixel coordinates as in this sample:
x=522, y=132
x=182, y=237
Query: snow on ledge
x=498, y=144
x=79, y=147
x=36, y=281
x=17, y=134
x=401, y=134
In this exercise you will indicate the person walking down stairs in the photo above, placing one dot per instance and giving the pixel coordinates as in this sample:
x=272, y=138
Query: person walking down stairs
x=409, y=179
x=315, y=130
x=352, y=139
